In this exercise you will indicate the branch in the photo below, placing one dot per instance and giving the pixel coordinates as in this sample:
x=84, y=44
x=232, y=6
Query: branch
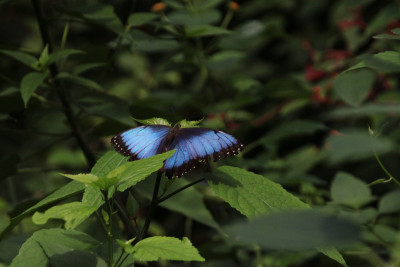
x=67, y=108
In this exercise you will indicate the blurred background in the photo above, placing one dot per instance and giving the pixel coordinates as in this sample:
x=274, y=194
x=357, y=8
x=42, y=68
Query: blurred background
x=303, y=84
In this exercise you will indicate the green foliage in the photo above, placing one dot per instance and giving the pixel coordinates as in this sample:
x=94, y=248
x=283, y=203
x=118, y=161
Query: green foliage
x=163, y=247
x=309, y=87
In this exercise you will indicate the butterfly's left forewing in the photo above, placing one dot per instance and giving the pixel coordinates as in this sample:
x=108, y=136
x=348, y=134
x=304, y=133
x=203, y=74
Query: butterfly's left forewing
x=141, y=142
x=196, y=144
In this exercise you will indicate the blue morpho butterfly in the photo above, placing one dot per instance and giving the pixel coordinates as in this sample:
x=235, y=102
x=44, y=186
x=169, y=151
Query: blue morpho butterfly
x=192, y=144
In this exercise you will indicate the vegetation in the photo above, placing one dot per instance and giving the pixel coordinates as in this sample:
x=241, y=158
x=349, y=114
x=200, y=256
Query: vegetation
x=311, y=88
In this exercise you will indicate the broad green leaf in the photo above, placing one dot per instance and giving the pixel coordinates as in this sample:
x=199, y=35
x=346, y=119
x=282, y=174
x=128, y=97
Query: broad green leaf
x=157, y=121
x=79, y=80
x=29, y=83
x=108, y=162
x=387, y=62
x=73, y=214
x=46, y=243
x=255, y=195
x=62, y=54
x=141, y=18
x=251, y=194
x=167, y=248
x=77, y=258
x=390, y=203
x=350, y=191
x=85, y=178
x=93, y=196
x=64, y=192
x=353, y=86
x=295, y=230
x=366, y=110
x=188, y=202
x=22, y=57
x=355, y=145
x=205, y=30
x=140, y=169
x=104, y=183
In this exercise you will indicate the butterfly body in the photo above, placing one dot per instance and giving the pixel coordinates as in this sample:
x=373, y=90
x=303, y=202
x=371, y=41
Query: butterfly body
x=192, y=145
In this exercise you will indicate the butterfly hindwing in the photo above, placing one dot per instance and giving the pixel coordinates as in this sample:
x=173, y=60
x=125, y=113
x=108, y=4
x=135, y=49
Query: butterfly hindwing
x=141, y=142
x=198, y=144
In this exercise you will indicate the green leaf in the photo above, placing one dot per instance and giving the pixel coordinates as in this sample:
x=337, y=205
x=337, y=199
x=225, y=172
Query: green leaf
x=251, y=194
x=205, y=30
x=167, y=248
x=77, y=258
x=255, y=195
x=73, y=214
x=350, y=191
x=62, y=54
x=22, y=57
x=85, y=178
x=366, y=110
x=141, y=18
x=78, y=80
x=139, y=170
x=46, y=243
x=64, y=192
x=389, y=203
x=355, y=145
x=353, y=86
x=44, y=57
x=156, y=121
x=185, y=123
x=295, y=230
x=103, y=183
x=387, y=62
x=93, y=196
x=108, y=162
x=29, y=83
x=81, y=68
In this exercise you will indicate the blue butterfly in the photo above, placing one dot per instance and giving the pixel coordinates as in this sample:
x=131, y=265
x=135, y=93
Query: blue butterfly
x=192, y=145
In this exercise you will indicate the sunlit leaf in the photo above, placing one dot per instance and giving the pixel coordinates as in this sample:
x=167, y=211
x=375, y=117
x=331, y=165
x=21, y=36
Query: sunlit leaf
x=163, y=247
x=73, y=214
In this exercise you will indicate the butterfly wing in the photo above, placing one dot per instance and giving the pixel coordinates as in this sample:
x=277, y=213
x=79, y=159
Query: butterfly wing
x=198, y=144
x=141, y=142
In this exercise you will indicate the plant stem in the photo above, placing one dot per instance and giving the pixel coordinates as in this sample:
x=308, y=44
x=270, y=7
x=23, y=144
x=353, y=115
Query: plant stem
x=385, y=170
x=153, y=205
x=109, y=230
x=67, y=108
x=179, y=190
